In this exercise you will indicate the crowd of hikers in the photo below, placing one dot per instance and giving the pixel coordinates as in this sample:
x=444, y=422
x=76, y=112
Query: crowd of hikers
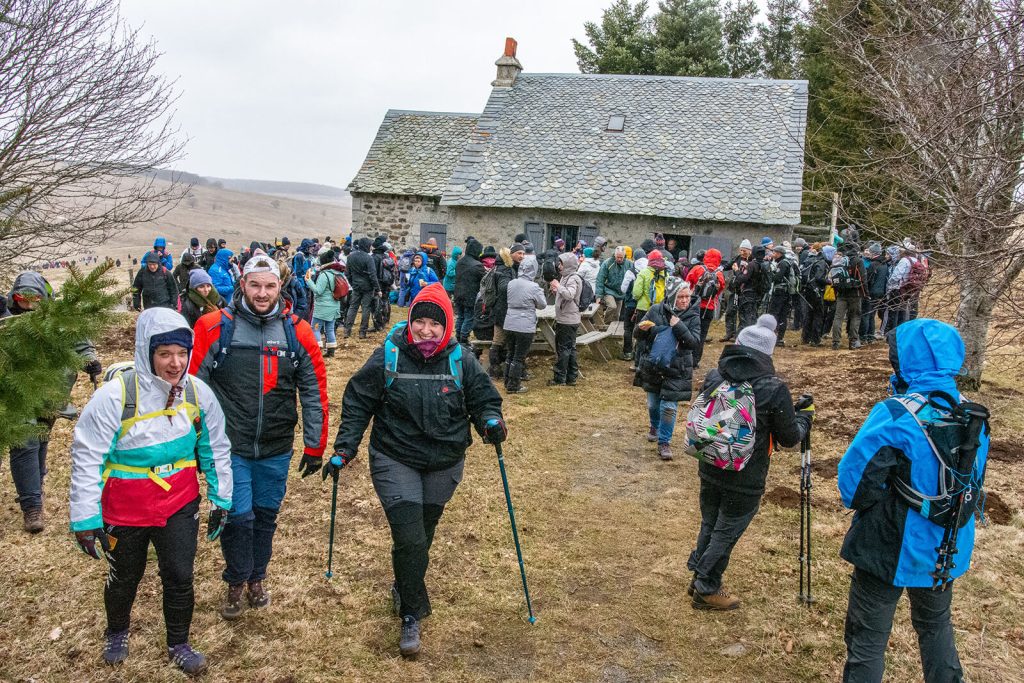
x=231, y=347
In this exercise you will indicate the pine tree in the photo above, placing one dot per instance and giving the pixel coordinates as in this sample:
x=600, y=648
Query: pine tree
x=622, y=44
x=37, y=351
x=741, y=52
x=689, y=39
x=777, y=38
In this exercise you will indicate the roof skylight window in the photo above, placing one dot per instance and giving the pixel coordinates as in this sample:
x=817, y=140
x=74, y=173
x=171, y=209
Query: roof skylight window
x=616, y=123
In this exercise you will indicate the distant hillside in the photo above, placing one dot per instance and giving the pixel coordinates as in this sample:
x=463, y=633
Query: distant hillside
x=325, y=194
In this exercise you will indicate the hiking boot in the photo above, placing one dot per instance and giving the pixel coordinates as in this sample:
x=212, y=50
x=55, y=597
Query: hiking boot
x=185, y=658
x=664, y=451
x=362, y=334
x=692, y=588
x=554, y=383
x=719, y=602
x=570, y=382
x=115, y=650
x=348, y=332
x=652, y=434
x=727, y=338
x=626, y=356
x=520, y=390
x=854, y=345
x=257, y=596
x=329, y=353
x=835, y=346
x=409, y=645
x=233, y=606
x=33, y=520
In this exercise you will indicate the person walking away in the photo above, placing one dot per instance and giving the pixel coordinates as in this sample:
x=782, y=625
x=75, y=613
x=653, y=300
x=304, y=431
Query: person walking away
x=731, y=301
x=326, y=309
x=813, y=275
x=136, y=453
x=707, y=282
x=524, y=298
x=160, y=249
x=669, y=383
x=847, y=277
x=800, y=248
x=257, y=358
x=729, y=499
x=222, y=274
x=608, y=289
x=362, y=276
x=423, y=394
x=28, y=461
x=589, y=267
x=496, y=298
x=154, y=285
x=829, y=293
x=449, y=273
x=468, y=275
x=892, y=543
x=200, y=298
x=182, y=270
x=567, y=321
x=876, y=274
x=784, y=279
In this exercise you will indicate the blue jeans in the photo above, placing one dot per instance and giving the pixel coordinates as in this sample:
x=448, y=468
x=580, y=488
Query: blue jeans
x=328, y=328
x=663, y=416
x=257, y=493
x=28, y=468
x=465, y=318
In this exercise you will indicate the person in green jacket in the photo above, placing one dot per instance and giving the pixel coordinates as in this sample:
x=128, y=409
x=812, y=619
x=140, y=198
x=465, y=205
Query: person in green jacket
x=649, y=288
x=609, y=288
x=326, y=309
x=449, y=272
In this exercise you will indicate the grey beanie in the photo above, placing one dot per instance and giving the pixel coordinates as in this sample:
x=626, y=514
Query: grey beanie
x=198, y=276
x=759, y=336
x=516, y=248
x=530, y=249
x=875, y=249
x=800, y=242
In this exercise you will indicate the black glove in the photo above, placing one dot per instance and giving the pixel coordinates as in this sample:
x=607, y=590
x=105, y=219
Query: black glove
x=93, y=368
x=310, y=464
x=335, y=464
x=495, y=431
x=215, y=523
x=87, y=542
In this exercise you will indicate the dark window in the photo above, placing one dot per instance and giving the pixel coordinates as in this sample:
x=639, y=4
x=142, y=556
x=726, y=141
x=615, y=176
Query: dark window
x=439, y=231
x=588, y=233
x=616, y=122
x=569, y=233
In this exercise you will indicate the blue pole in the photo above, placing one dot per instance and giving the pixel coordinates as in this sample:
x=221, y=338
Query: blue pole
x=515, y=533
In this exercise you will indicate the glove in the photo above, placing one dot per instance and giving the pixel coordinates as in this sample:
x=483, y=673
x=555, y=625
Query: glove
x=87, y=542
x=805, y=404
x=335, y=464
x=495, y=431
x=93, y=368
x=215, y=523
x=310, y=464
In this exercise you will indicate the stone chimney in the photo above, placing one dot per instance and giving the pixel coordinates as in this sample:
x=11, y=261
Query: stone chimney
x=508, y=66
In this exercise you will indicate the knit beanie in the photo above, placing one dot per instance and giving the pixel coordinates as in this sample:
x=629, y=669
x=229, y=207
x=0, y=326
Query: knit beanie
x=759, y=336
x=588, y=252
x=828, y=251
x=516, y=248
x=745, y=244
x=198, y=277
x=875, y=249
x=326, y=256
x=765, y=241
x=428, y=309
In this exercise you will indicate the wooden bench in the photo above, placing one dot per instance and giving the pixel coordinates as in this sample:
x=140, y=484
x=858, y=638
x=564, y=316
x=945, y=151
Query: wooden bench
x=595, y=340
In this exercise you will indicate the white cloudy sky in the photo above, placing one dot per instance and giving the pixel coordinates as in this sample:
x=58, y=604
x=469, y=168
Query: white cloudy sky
x=295, y=91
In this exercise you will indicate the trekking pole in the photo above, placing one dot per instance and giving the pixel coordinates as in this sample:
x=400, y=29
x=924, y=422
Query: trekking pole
x=805, y=515
x=515, y=533
x=330, y=543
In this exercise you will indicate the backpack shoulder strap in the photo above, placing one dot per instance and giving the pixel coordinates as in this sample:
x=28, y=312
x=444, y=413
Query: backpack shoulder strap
x=129, y=395
x=455, y=364
x=227, y=332
x=291, y=338
x=391, y=355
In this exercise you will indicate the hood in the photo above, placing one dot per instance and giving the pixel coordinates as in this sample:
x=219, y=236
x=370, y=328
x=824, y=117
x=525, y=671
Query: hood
x=211, y=243
x=425, y=260
x=759, y=253
x=435, y=294
x=188, y=260
x=742, y=363
x=712, y=259
x=639, y=264
x=569, y=263
x=362, y=244
x=32, y=281
x=151, y=322
x=159, y=243
x=928, y=356
x=456, y=252
x=223, y=257
x=528, y=268
x=474, y=248
x=506, y=256
x=253, y=246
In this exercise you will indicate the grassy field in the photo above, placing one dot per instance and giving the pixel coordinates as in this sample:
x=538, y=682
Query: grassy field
x=606, y=528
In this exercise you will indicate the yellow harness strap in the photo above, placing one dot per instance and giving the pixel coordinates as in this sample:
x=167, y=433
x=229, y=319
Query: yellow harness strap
x=151, y=472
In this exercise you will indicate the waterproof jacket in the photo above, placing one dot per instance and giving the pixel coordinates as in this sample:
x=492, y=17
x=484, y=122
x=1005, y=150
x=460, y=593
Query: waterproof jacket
x=296, y=294
x=524, y=298
x=504, y=273
x=424, y=273
x=778, y=423
x=748, y=278
x=181, y=273
x=887, y=538
x=778, y=273
x=256, y=382
x=712, y=261
x=154, y=290
x=301, y=261
x=609, y=278
x=642, y=287
x=449, y=273
x=325, y=306
x=676, y=382
x=814, y=274
x=361, y=268
x=166, y=447
x=877, y=275
x=567, y=298
x=421, y=421
x=194, y=306
x=222, y=274
x=209, y=257
x=588, y=270
x=468, y=274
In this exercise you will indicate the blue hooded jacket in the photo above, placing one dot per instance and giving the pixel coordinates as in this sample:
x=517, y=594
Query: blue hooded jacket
x=449, y=272
x=887, y=538
x=424, y=272
x=301, y=261
x=220, y=273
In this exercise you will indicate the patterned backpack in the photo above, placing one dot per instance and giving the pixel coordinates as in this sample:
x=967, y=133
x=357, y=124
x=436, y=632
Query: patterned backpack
x=720, y=426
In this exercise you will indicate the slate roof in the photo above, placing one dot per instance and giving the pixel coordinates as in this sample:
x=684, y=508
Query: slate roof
x=697, y=148
x=414, y=153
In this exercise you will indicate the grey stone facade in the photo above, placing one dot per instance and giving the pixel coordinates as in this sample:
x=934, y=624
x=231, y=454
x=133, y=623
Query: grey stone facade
x=398, y=216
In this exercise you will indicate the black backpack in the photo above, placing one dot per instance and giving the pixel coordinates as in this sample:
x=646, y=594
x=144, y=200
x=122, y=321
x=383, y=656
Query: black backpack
x=586, y=294
x=707, y=285
x=386, y=273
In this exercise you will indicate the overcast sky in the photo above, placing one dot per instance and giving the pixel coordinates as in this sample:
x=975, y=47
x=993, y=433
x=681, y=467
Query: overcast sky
x=295, y=91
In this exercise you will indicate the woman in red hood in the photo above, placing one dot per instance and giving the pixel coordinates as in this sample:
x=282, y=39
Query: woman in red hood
x=423, y=393
x=707, y=282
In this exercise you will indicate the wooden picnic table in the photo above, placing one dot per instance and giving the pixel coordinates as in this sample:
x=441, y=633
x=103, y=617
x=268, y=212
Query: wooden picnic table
x=587, y=335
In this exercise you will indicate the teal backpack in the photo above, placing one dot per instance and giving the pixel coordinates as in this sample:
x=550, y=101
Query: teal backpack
x=391, y=363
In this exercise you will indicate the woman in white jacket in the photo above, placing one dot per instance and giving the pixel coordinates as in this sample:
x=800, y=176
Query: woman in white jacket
x=135, y=458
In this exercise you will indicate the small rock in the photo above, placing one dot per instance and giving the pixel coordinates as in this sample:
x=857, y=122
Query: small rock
x=734, y=650
x=478, y=643
x=56, y=633
x=789, y=646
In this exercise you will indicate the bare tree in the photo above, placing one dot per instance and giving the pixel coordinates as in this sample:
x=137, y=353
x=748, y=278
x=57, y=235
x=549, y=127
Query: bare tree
x=84, y=120
x=945, y=82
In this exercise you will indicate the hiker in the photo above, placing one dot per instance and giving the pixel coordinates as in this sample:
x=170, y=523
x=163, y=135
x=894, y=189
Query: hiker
x=182, y=270
x=154, y=285
x=876, y=275
x=28, y=461
x=847, y=278
x=829, y=293
x=273, y=356
x=160, y=249
x=729, y=499
x=567, y=292
x=222, y=273
x=200, y=298
x=800, y=248
x=449, y=273
x=748, y=271
x=326, y=309
x=649, y=288
x=282, y=254
x=629, y=314
x=706, y=282
x=608, y=288
x=302, y=260
x=420, y=275
x=672, y=330
x=136, y=454
x=209, y=256
x=890, y=469
x=589, y=267
x=361, y=270
x=435, y=259
x=423, y=394
x=468, y=275
x=784, y=283
x=494, y=295
x=295, y=293
x=524, y=298
x=813, y=281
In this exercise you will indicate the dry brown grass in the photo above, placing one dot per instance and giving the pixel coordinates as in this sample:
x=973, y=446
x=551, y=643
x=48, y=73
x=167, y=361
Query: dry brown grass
x=606, y=528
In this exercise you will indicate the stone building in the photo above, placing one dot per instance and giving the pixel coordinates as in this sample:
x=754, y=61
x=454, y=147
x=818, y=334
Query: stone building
x=708, y=161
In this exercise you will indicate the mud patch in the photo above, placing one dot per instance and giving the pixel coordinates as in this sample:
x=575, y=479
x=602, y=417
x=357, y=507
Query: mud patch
x=1004, y=451
x=783, y=497
x=996, y=509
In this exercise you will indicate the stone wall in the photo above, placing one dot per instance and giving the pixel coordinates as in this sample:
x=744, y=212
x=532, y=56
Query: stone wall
x=397, y=216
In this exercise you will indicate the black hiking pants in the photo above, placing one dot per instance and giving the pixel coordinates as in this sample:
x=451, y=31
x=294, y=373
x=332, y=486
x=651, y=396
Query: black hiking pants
x=815, y=321
x=779, y=307
x=730, y=313
x=707, y=316
x=725, y=515
x=748, y=308
x=799, y=311
x=517, y=344
x=628, y=325
x=566, y=368
x=175, y=546
x=869, y=621
x=359, y=298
